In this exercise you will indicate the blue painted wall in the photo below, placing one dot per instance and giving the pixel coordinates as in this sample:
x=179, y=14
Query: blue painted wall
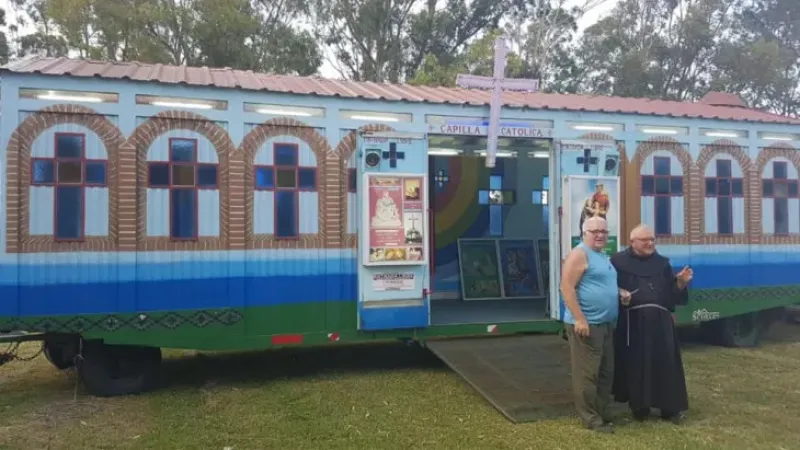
x=42, y=284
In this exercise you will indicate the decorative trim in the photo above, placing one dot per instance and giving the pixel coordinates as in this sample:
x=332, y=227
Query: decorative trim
x=113, y=323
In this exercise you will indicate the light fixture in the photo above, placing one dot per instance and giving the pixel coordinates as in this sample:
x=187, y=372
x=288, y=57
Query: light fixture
x=181, y=105
x=593, y=127
x=777, y=138
x=69, y=98
x=722, y=134
x=284, y=112
x=375, y=118
x=659, y=131
x=539, y=154
x=444, y=151
x=500, y=153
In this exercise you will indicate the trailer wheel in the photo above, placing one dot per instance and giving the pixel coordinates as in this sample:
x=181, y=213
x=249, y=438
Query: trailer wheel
x=61, y=352
x=113, y=370
x=739, y=331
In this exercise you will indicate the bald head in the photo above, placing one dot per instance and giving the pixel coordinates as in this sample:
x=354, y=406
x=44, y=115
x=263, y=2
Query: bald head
x=643, y=240
x=641, y=231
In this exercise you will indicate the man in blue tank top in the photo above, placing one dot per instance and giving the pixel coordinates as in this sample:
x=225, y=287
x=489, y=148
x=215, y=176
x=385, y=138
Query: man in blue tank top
x=590, y=292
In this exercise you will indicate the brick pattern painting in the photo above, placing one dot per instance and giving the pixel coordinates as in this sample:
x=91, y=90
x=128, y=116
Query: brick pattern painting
x=327, y=204
x=18, y=172
x=141, y=140
x=127, y=182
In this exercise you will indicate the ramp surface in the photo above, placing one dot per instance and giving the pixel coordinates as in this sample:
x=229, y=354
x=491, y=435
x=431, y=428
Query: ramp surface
x=527, y=378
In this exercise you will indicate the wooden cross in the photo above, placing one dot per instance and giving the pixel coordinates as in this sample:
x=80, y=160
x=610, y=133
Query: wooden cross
x=497, y=84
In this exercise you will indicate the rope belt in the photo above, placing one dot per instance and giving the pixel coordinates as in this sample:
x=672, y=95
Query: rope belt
x=628, y=312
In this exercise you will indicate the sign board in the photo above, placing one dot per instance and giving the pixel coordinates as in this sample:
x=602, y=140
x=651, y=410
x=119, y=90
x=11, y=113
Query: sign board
x=393, y=281
x=395, y=219
x=585, y=197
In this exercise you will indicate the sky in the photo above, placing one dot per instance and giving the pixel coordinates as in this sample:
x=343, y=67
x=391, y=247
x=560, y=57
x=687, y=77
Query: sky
x=328, y=71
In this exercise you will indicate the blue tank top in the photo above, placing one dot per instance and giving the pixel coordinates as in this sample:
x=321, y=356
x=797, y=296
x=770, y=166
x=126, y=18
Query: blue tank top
x=598, y=295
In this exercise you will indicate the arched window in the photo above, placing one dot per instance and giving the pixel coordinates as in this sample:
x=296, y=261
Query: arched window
x=724, y=198
x=183, y=177
x=69, y=178
x=781, y=207
x=662, y=194
x=287, y=180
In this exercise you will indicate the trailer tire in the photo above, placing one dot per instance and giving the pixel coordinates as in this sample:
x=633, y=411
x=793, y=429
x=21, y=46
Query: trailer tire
x=61, y=353
x=114, y=370
x=738, y=331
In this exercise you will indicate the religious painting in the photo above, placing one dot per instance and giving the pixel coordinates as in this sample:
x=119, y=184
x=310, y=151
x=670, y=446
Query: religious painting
x=588, y=197
x=480, y=269
x=395, y=219
x=519, y=265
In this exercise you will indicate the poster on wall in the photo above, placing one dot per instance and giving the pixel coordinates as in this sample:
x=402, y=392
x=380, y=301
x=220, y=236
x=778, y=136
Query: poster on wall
x=480, y=269
x=519, y=268
x=393, y=282
x=395, y=223
x=585, y=197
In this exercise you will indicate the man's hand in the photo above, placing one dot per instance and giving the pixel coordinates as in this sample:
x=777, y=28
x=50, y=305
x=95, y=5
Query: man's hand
x=624, y=297
x=684, y=277
x=582, y=328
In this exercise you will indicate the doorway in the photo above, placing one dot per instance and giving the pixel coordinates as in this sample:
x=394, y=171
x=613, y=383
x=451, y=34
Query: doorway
x=489, y=230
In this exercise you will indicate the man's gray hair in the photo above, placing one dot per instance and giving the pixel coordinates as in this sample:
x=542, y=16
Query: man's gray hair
x=591, y=221
x=640, y=228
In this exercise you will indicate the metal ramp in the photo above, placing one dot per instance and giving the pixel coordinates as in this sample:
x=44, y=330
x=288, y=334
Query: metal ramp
x=527, y=378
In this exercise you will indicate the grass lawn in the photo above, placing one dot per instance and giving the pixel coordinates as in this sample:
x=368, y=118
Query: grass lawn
x=383, y=397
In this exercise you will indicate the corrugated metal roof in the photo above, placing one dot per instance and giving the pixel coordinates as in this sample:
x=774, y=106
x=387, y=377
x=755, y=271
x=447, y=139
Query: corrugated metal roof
x=716, y=105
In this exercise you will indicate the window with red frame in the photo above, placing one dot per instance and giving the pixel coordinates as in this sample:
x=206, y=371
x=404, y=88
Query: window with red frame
x=662, y=186
x=69, y=173
x=287, y=179
x=183, y=176
x=780, y=189
x=724, y=187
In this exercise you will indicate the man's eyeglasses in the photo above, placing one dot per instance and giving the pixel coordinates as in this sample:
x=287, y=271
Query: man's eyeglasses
x=598, y=231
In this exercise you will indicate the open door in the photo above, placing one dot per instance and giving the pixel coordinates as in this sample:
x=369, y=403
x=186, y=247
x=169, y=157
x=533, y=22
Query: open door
x=393, y=241
x=589, y=185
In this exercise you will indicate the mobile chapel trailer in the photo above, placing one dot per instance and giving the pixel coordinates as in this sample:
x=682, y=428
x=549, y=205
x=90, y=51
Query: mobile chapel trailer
x=149, y=206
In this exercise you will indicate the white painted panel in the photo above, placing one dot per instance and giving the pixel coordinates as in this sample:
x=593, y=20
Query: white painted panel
x=352, y=214
x=736, y=169
x=265, y=155
x=649, y=211
x=264, y=212
x=711, y=215
x=768, y=215
x=309, y=212
x=647, y=167
x=676, y=208
x=711, y=168
x=96, y=223
x=41, y=210
x=794, y=215
x=675, y=167
x=157, y=212
x=738, y=215
x=306, y=157
x=208, y=212
x=791, y=171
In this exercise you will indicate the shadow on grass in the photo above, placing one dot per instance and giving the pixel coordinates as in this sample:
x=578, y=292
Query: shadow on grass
x=296, y=363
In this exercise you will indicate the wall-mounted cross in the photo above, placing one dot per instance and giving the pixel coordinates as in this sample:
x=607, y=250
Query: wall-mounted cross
x=496, y=198
x=587, y=160
x=393, y=155
x=441, y=178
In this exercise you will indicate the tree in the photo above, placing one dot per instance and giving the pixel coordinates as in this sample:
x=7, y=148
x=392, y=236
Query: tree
x=4, y=49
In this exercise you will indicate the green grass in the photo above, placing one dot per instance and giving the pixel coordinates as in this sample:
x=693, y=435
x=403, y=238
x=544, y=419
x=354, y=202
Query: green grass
x=382, y=397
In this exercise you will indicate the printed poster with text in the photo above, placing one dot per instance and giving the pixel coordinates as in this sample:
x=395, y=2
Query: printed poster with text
x=396, y=226
x=592, y=197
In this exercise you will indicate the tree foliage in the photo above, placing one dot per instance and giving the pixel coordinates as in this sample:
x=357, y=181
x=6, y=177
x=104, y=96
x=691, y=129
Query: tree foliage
x=668, y=49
